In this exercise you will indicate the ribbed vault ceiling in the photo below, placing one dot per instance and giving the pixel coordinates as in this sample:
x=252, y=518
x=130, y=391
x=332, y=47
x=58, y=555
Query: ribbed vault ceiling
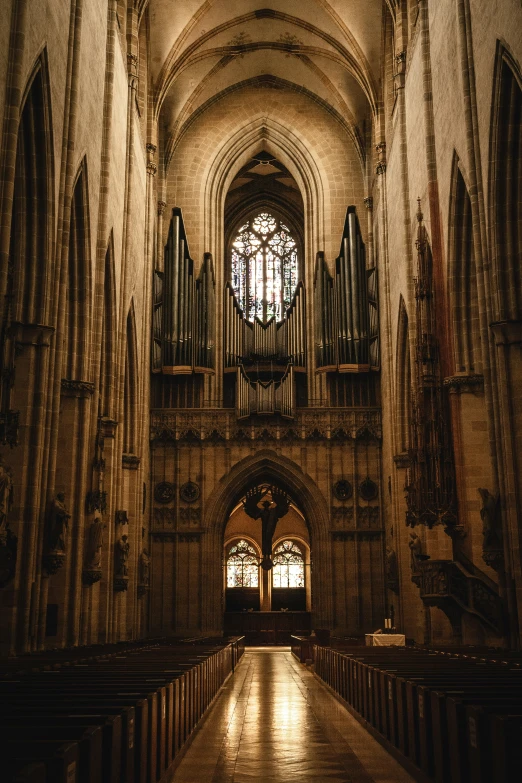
x=330, y=48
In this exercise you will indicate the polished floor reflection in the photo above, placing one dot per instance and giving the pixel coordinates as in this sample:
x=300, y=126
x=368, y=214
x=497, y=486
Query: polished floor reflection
x=273, y=721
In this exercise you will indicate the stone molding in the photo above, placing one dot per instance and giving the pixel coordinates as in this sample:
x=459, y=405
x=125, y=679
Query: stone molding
x=107, y=427
x=31, y=334
x=52, y=562
x=80, y=389
x=91, y=575
x=464, y=384
x=221, y=425
x=402, y=460
x=121, y=584
x=507, y=332
x=130, y=461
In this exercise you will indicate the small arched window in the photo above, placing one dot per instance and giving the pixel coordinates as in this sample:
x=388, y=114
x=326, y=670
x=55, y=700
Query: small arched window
x=288, y=568
x=264, y=267
x=242, y=565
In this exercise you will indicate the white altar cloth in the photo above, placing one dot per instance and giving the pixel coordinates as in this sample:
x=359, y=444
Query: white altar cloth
x=385, y=639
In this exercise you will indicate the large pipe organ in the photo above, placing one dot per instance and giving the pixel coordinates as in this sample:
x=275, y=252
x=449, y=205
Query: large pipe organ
x=265, y=356
x=184, y=309
x=346, y=316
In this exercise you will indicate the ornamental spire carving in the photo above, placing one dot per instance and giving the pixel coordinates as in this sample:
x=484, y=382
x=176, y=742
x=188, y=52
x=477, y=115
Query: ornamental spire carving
x=430, y=491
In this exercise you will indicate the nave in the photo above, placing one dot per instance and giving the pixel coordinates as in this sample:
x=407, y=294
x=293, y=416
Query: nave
x=274, y=721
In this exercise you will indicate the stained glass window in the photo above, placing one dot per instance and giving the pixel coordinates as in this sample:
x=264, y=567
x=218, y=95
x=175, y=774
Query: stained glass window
x=242, y=565
x=264, y=267
x=288, y=568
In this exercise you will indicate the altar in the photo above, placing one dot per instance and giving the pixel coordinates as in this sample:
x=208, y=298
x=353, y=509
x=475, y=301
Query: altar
x=385, y=639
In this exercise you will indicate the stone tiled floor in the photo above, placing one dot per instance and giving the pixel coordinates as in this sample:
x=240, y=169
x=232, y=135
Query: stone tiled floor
x=273, y=721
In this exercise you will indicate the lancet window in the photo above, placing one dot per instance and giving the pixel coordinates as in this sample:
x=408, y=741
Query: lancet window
x=265, y=269
x=242, y=565
x=288, y=570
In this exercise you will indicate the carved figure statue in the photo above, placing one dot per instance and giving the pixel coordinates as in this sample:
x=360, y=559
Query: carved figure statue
x=144, y=568
x=95, y=545
x=392, y=571
x=122, y=556
x=490, y=515
x=270, y=514
x=6, y=498
x=415, y=545
x=58, y=524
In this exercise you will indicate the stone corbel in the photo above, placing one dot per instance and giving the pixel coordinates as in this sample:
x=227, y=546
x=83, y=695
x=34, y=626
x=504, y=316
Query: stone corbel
x=31, y=334
x=507, y=332
x=121, y=517
x=107, y=427
x=402, y=460
x=468, y=383
x=80, y=389
x=130, y=461
x=91, y=576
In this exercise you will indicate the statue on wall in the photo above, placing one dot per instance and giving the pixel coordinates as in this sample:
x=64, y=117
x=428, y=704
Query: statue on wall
x=392, y=570
x=58, y=524
x=417, y=556
x=144, y=569
x=121, y=556
x=6, y=498
x=492, y=545
x=270, y=514
x=8, y=540
x=94, y=545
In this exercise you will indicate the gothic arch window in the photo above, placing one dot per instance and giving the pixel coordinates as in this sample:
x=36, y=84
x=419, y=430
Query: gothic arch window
x=265, y=267
x=289, y=565
x=242, y=565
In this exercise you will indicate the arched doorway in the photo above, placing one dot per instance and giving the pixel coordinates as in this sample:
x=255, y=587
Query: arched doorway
x=250, y=587
x=306, y=525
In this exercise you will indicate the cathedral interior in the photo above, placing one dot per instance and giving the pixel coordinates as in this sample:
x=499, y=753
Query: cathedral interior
x=261, y=385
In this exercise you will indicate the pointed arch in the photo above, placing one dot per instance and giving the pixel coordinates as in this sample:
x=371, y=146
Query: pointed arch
x=107, y=363
x=505, y=192
x=267, y=465
x=78, y=281
x=463, y=291
x=403, y=379
x=130, y=393
x=30, y=249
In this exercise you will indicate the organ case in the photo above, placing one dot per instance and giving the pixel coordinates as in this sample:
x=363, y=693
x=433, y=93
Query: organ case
x=183, y=308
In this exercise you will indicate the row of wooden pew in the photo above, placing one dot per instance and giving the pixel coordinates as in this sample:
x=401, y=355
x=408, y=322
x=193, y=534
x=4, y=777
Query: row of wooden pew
x=120, y=716
x=450, y=716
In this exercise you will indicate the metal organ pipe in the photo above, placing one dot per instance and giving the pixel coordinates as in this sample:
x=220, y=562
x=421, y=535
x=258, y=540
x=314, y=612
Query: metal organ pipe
x=347, y=319
x=185, y=341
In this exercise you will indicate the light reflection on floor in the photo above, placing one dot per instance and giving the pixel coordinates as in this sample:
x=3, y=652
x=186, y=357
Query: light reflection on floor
x=273, y=721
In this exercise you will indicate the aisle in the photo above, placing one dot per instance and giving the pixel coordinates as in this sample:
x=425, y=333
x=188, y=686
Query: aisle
x=273, y=721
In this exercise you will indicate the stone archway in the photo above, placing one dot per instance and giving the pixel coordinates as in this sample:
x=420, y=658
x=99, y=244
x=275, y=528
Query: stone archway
x=266, y=465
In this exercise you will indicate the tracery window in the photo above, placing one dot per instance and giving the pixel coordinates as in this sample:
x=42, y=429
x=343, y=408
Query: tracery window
x=242, y=565
x=264, y=267
x=288, y=568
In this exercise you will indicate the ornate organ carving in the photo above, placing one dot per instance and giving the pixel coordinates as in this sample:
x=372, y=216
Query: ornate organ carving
x=183, y=312
x=346, y=315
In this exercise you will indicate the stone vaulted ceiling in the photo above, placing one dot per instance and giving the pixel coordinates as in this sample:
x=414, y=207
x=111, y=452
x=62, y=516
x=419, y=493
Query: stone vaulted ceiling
x=328, y=48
